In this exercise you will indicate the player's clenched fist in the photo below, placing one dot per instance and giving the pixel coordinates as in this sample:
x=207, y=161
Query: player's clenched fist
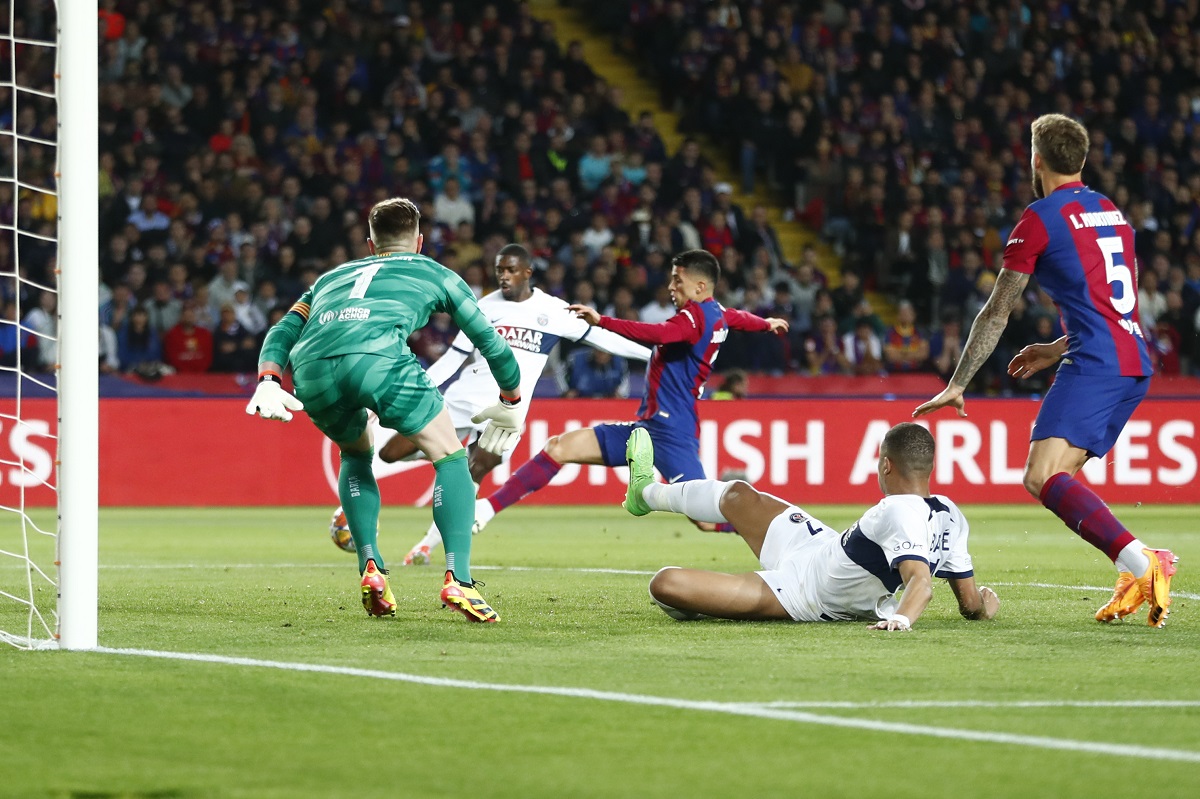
x=270, y=401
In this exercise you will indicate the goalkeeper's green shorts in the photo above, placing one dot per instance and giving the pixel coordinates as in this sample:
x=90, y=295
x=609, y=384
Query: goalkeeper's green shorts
x=338, y=391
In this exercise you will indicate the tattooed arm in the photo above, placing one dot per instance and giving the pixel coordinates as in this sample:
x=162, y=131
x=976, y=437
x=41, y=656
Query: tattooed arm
x=990, y=323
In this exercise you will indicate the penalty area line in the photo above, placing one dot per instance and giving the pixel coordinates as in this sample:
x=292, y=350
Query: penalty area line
x=730, y=708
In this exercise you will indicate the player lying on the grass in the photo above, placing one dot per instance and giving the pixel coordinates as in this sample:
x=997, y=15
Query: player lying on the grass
x=812, y=572
x=685, y=347
x=346, y=342
x=1081, y=249
x=533, y=323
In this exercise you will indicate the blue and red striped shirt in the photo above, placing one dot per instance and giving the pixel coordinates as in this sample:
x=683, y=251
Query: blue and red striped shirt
x=685, y=347
x=1080, y=248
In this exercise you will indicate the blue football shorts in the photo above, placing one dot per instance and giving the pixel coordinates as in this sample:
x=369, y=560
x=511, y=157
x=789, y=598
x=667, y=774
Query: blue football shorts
x=676, y=453
x=1089, y=411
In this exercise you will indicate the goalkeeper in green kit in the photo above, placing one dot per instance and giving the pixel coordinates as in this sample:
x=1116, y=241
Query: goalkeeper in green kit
x=346, y=342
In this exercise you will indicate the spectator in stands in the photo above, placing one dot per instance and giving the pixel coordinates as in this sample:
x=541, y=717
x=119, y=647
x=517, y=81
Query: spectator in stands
x=114, y=312
x=716, y=236
x=248, y=315
x=905, y=349
x=234, y=348
x=862, y=349
x=162, y=308
x=598, y=236
x=734, y=386
x=42, y=321
x=840, y=110
x=946, y=346
x=847, y=296
x=222, y=287
x=660, y=309
x=451, y=208
x=187, y=347
x=595, y=373
x=824, y=351
x=139, y=349
x=596, y=165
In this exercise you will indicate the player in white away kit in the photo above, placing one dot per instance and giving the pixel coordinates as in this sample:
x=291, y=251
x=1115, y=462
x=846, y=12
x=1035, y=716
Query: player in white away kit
x=811, y=572
x=532, y=322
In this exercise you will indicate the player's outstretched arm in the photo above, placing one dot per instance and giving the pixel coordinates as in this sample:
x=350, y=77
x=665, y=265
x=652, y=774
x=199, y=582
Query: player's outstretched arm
x=918, y=590
x=613, y=344
x=744, y=320
x=1034, y=358
x=680, y=327
x=974, y=602
x=989, y=324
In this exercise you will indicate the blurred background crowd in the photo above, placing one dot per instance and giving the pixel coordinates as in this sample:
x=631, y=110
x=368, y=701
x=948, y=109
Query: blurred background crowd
x=241, y=144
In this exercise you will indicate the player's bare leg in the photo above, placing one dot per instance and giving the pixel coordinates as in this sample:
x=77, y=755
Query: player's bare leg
x=453, y=493
x=1143, y=574
x=691, y=593
x=397, y=448
x=577, y=446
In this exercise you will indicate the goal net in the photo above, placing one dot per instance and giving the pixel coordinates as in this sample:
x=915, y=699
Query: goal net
x=48, y=327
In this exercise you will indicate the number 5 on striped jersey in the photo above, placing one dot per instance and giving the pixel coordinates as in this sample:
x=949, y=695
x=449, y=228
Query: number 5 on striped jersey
x=1115, y=272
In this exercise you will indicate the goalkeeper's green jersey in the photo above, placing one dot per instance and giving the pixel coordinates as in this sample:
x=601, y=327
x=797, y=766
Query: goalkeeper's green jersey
x=374, y=304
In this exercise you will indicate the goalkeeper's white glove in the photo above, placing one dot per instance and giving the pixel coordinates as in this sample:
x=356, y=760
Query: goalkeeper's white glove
x=504, y=419
x=270, y=401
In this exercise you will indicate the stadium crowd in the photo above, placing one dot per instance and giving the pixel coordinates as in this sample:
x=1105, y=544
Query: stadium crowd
x=242, y=143
x=901, y=132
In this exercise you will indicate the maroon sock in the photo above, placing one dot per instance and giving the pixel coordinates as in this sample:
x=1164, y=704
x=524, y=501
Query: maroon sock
x=532, y=475
x=1086, y=514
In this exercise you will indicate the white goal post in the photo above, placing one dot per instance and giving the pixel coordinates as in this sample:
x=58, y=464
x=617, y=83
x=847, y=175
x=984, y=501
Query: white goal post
x=78, y=307
x=49, y=288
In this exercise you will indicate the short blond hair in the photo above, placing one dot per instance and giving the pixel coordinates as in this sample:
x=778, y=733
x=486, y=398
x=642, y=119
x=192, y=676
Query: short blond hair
x=393, y=220
x=1062, y=143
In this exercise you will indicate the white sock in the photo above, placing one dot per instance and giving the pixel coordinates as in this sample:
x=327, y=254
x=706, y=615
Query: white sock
x=484, y=512
x=696, y=499
x=432, y=538
x=1133, y=559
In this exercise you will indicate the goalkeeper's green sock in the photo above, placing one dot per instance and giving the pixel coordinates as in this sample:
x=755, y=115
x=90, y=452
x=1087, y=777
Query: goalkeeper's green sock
x=454, y=511
x=360, y=501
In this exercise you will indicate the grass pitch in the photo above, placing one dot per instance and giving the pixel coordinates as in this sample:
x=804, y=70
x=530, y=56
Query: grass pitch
x=646, y=706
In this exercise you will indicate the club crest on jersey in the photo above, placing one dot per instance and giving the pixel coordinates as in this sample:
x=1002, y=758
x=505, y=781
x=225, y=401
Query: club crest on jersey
x=797, y=518
x=543, y=320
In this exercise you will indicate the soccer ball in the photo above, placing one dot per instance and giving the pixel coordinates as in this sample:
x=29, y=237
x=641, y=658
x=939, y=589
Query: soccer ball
x=339, y=531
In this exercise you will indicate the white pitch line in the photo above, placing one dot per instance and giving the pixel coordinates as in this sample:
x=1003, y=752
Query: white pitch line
x=970, y=703
x=635, y=572
x=730, y=708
